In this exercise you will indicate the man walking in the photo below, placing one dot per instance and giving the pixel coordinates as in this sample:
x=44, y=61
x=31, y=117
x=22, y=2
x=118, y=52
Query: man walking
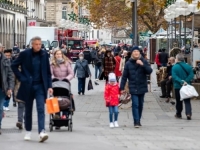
x=182, y=73
x=163, y=58
x=35, y=78
x=6, y=81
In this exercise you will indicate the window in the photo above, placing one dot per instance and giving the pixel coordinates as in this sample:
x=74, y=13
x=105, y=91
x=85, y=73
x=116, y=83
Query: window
x=97, y=34
x=64, y=13
x=93, y=34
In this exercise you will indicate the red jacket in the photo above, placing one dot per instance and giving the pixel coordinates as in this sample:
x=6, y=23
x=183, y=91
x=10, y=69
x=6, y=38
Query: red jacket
x=117, y=64
x=111, y=95
x=157, y=59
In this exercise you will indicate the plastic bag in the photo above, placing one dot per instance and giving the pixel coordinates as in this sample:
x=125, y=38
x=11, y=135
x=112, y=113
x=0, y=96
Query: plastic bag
x=52, y=105
x=90, y=86
x=188, y=91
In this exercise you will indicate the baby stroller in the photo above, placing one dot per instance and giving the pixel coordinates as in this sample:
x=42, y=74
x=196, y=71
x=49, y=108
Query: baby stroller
x=62, y=90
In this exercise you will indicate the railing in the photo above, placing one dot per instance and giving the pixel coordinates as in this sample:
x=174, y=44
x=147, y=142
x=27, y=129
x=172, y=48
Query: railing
x=13, y=7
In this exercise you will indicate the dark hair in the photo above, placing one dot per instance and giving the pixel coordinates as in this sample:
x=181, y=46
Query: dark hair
x=163, y=50
x=8, y=51
x=160, y=50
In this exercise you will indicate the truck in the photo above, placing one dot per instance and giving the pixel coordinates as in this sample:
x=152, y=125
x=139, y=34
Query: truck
x=49, y=36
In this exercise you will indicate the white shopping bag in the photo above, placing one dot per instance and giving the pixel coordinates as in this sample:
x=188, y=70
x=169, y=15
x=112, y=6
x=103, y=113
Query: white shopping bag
x=188, y=91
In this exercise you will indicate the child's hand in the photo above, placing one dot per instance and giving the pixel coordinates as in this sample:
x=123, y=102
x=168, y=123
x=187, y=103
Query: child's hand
x=107, y=104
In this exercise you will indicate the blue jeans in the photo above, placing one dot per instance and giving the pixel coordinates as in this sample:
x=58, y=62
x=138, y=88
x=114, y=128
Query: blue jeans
x=2, y=98
x=97, y=68
x=6, y=103
x=137, y=107
x=113, y=110
x=81, y=85
x=37, y=93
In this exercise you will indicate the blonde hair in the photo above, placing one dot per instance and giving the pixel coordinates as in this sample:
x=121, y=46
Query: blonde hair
x=66, y=59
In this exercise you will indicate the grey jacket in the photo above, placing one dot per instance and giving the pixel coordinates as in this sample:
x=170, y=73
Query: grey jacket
x=81, y=67
x=93, y=53
x=7, y=74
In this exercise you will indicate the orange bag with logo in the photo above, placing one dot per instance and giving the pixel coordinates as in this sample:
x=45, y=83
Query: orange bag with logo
x=52, y=105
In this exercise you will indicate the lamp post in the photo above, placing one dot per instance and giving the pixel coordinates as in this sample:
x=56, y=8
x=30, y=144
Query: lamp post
x=134, y=22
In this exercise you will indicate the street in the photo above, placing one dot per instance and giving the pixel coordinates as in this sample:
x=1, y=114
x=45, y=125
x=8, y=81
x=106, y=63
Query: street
x=160, y=130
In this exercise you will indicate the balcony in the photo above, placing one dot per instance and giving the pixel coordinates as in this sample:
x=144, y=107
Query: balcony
x=12, y=7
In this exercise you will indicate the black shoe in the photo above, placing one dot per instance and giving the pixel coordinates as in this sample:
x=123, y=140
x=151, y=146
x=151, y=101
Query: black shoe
x=14, y=104
x=167, y=100
x=83, y=94
x=79, y=93
x=140, y=124
x=173, y=103
x=178, y=117
x=0, y=131
x=136, y=125
x=19, y=125
x=96, y=83
x=57, y=128
x=189, y=117
x=162, y=96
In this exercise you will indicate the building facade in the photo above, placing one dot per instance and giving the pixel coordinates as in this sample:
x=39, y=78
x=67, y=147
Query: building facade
x=15, y=15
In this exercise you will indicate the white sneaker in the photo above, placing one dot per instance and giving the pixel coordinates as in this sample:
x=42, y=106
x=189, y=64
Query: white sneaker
x=43, y=136
x=116, y=124
x=4, y=108
x=111, y=125
x=27, y=136
x=7, y=109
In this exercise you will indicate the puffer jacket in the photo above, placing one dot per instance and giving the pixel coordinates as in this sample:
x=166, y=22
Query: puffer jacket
x=111, y=94
x=136, y=75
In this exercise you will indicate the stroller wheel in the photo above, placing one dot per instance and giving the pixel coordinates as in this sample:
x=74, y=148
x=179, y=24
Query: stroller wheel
x=50, y=128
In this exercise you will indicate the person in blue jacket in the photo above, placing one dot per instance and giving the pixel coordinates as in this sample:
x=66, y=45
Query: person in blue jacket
x=136, y=71
x=182, y=73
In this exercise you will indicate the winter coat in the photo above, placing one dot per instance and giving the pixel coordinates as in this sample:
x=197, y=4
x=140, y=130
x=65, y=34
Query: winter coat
x=81, y=67
x=111, y=94
x=179, y=75
x=118, y=73
x=136, y=75
x=163, y=57
x=63, y=71
x=93, y=53
x=157, y=59
x=25, y=75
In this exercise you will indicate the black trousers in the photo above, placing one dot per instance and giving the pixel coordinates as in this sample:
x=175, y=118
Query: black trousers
x=179, y=104
x=166, y=87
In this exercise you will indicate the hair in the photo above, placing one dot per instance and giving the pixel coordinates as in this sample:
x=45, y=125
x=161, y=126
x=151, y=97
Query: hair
x=36, y=38
x=8, y=51
x=66, y=59
x=180, y=57
x=163, y=50
x=160, y=50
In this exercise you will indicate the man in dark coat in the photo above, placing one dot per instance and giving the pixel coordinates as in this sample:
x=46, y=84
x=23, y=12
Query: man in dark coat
x=136, y=71
x=163, y=58
x=35, y=78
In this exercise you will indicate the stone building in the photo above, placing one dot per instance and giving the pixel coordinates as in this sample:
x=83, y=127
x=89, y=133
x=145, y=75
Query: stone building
x=13, y=20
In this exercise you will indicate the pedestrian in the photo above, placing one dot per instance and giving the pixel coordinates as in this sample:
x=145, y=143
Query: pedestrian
x=61, y=70
x=111, y=96
x=182, y=73
x=6, y=81
x=117, y=71
x=83, y=71
x=16, y=51
x=163, y=58
x=136, y=71
x=93, y=54
x=35, y=82
x=108, y=64
x=157, y=61
x=98, y=66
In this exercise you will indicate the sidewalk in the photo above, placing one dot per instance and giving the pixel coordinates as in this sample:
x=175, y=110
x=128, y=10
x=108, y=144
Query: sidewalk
x=160, y=130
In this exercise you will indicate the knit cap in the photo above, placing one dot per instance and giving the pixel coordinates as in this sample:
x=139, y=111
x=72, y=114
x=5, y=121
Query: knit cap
x=135, y=48
x=112, y=77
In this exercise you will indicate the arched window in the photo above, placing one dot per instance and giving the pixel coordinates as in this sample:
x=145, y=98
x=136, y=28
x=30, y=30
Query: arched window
x=64, y=13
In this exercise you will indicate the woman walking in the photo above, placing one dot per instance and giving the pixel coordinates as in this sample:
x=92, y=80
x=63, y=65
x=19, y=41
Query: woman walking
x=118, y=73
x=136, y=71
x=83, y=72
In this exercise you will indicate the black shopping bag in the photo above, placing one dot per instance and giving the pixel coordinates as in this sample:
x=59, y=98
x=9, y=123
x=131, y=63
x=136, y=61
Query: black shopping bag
x=90, y=86
x=102, y=76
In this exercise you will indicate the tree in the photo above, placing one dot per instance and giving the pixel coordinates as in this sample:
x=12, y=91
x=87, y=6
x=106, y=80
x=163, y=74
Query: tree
x=115, y=14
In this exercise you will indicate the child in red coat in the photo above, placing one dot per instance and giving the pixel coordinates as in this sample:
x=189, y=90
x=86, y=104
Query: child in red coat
x=111, y=96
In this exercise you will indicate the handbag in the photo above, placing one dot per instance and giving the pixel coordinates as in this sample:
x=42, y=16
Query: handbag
x=86, y=73
x=64, y=103
x=52, y=105
x=188, y=91
x=125, y=98
x=90, y=86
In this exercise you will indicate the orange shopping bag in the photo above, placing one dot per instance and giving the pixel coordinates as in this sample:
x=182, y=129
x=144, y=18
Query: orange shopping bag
x=52, y=105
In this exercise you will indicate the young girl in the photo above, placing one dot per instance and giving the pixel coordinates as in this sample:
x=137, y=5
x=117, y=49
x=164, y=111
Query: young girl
x=111, y=96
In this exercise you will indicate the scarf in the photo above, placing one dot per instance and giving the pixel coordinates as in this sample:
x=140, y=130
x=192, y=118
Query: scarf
x=60, y=61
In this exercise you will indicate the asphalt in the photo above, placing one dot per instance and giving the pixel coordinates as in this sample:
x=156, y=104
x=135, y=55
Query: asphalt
x=159, y=131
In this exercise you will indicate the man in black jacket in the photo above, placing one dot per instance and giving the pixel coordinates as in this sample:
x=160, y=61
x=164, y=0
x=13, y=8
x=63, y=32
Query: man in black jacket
x=163, y=58
x=166, y=84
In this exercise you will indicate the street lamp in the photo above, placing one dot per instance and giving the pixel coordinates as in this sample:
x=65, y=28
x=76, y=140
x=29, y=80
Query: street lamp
x=134, y=22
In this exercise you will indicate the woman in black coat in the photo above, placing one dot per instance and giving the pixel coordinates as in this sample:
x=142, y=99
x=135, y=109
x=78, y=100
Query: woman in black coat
x=136, y=71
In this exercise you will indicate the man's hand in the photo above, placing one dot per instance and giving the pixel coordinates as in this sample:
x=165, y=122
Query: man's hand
x=170, y=77
x=122, y=92
x=9, y=92
x=50, y=91
x=139, y=62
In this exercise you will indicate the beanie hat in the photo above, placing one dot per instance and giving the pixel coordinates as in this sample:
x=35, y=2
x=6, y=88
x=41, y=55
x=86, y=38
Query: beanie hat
x=81, y=53
x=135, y=48
x=112, y=77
